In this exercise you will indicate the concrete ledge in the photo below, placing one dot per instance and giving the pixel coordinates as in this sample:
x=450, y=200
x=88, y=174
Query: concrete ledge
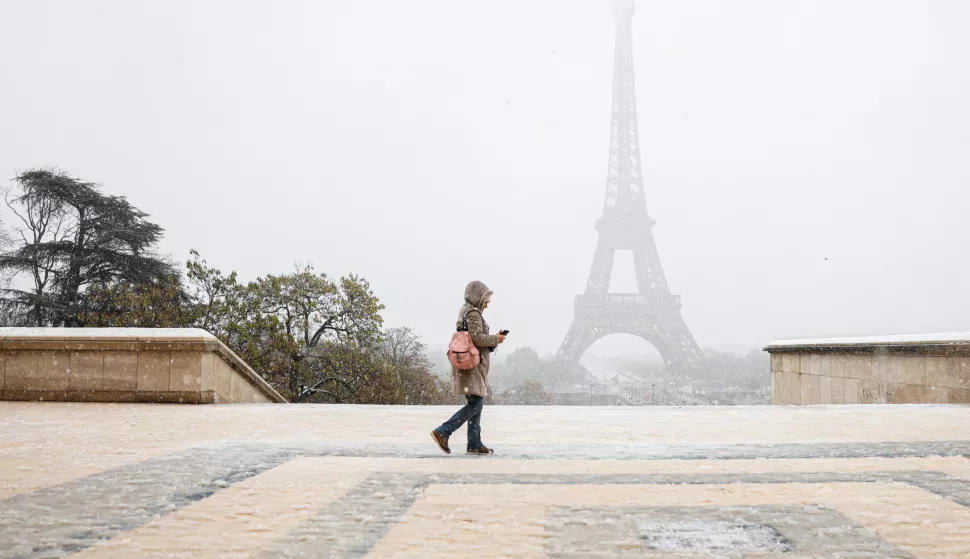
x=207, y=397
x=958, y=341
x=907, y=369
x=125, y=365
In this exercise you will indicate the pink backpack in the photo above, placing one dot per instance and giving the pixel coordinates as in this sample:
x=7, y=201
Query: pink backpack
x=462, y=352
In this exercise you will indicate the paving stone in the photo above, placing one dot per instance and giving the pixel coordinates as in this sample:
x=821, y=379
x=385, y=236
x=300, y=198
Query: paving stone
x=145, y=474
x=771, y=531
x=75, y=515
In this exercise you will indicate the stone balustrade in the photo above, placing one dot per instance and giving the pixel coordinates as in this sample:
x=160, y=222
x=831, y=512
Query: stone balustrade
x=125, y=365
x=909, y=369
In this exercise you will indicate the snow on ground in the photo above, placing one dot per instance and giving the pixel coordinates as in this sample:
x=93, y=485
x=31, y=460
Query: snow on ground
x=901, y=339
x=117, y=480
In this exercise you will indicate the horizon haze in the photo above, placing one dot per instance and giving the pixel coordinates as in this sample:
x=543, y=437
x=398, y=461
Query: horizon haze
x=805, y=162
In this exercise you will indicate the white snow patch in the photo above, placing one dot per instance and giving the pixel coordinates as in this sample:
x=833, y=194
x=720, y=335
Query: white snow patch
x=711, y=535
x=900, y=339
x=124, y=334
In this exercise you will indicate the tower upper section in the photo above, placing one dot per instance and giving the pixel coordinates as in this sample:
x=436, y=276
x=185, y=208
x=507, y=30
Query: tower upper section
x=623, y=10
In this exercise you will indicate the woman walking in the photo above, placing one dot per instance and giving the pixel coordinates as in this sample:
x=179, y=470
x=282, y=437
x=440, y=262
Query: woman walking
x=471, y=383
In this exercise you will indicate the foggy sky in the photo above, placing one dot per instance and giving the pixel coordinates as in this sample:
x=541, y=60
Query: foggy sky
x=806, y=162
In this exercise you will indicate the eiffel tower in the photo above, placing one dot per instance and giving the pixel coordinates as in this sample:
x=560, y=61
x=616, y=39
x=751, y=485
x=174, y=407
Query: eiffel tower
x=652, y=313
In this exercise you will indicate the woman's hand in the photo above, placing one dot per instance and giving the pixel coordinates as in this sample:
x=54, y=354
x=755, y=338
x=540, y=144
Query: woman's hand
x=501, y=337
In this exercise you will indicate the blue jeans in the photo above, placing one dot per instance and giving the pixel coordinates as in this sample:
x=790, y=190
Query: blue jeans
x=472, y=413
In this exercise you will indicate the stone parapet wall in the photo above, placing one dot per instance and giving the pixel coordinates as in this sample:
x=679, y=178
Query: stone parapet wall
x=125, y=365
x=921, y=369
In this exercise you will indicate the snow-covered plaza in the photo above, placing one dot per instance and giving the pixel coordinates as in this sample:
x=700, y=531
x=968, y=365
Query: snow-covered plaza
x=119, y=480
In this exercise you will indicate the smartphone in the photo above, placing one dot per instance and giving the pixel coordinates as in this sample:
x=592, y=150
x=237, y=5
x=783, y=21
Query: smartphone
x=504, y=332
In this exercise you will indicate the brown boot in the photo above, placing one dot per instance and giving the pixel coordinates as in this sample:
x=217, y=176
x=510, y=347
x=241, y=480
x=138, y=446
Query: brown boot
x=481, y=450
x=441, y=441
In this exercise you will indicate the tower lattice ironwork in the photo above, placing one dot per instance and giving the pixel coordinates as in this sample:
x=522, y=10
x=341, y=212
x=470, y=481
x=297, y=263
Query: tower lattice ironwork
x=652, y=313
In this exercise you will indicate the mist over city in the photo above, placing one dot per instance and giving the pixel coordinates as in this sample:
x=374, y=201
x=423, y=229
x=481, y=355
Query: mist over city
x=804, y=164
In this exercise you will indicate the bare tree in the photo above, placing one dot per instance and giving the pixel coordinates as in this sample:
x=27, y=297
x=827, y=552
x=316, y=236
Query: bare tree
x=528, y=393
x=403, y=349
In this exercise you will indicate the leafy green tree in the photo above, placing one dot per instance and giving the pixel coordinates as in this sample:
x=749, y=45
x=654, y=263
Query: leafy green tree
x=71, y=237
x=320, y=319
x=161, y=304
x=217, y=298
x=308, y=335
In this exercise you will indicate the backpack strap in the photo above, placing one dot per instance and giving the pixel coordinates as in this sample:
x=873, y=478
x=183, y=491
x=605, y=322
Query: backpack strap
x=464, y=320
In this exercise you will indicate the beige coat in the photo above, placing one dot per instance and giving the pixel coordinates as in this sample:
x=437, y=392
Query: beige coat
x=475, y=381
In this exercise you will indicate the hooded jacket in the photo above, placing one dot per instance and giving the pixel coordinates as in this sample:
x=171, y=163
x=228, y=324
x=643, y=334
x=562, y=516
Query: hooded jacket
x=475, y=381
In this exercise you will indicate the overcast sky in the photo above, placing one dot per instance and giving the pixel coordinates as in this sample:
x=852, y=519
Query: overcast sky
x=806, y=162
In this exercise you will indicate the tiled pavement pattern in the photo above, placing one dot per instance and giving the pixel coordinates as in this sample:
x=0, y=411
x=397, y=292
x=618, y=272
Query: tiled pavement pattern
x=101, y=481
x=581, y=531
